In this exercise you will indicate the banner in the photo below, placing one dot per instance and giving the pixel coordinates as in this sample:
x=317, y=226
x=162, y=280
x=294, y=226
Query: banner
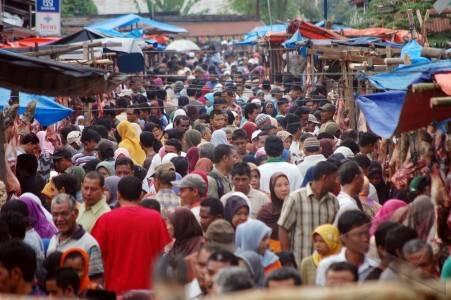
x=48, y=17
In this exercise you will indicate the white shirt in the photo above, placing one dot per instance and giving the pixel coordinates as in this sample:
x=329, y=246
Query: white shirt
x=346, y=203
x=364, y=269
x=309, y=161
x=296, y=153
x=268, y=169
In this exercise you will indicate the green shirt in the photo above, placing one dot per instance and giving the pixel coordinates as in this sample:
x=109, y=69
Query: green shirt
x=87, y=217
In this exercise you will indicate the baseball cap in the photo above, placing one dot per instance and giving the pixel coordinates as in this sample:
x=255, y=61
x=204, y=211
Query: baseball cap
x=74, y=137
x=313, y=119
x=255, y=134
x=328, y=107
x=61, y=153
x=220, y=233
x=163, y=170
x=192, y=181
x=330, y=128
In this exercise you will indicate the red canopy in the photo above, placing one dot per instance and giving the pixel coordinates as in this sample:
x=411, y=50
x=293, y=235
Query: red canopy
x=29, y=42
x=310, y=31
x=395, y=35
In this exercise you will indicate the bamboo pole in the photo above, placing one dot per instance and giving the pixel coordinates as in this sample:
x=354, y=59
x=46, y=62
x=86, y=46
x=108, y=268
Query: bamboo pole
x=424, y=86
x=349, y=99
x=440, y=102
x=61, y=50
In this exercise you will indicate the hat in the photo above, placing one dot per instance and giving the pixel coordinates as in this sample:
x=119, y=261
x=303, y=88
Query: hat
x=276, y=90
x=163, y=170
x=256, y=101
x=220, y=233
x=261, y=119
x=313, y=119
x=345, y=151
x=62, y=153
x=105, y=145
x=192, y=181
x=328, y=107
x=330, y=128
x=74, y=137
x=311, y=142
x=255, y=134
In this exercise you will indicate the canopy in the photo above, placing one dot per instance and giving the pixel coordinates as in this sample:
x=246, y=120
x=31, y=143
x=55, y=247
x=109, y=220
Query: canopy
x=366, y=42
x=251, y=38
x=47, y=110
x=52, y=78
x=182, y=46
x=398, y=36
x=292, y=42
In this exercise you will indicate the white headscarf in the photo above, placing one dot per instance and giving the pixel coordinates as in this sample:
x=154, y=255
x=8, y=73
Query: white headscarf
x=219, y=137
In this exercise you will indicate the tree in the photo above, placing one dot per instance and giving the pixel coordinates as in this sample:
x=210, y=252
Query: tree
x=181, y=6
x=281, y=10
x=70, y=8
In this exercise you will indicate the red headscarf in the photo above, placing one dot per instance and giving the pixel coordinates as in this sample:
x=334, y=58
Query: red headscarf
x=249, y=127
x=192, y=155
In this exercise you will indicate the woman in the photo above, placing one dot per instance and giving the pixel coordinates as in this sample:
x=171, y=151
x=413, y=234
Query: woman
x=254, y=236
x=253, y=262
x=286, y=138
x=385, y=213
x=370, y=207
x=269, y=109
x=65, y=183
x=111, y=183
x=219, y=137
x=249, y=127
x=192, y=155
x=255, y=176
x=326, y=241
x=130, y=141
x=236, y=210
x=191, y=139
x=37, y=200
x=187, y=232
x=269, y=214
x=37, y=218
x=78, y=260
x=105, y=168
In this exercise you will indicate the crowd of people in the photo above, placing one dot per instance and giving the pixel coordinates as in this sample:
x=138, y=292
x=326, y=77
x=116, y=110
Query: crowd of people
x=217, y=183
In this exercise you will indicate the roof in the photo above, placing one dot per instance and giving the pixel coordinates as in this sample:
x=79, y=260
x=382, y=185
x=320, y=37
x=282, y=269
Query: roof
x=205, y=29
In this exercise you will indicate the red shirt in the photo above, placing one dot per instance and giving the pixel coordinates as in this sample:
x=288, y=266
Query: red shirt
x=130, y=238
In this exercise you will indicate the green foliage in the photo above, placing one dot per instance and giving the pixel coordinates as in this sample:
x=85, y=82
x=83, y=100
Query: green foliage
x=70, y=8
x=172, y=5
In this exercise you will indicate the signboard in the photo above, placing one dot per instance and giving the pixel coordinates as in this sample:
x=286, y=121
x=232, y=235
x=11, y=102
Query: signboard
x=48, y=17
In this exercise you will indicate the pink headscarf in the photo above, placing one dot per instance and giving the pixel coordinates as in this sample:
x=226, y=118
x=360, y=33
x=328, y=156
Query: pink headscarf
x=385, y=213
x=120, y=151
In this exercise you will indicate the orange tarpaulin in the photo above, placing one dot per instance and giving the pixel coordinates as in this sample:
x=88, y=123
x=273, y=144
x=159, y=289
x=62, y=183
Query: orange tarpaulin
x=159, y=38
x=310, y=31
x=395, y=35
x=444, y=81
x=29, y=42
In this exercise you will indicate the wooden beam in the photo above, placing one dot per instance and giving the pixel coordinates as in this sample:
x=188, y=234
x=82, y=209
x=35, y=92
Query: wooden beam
x=424, y=86
x=440, y=102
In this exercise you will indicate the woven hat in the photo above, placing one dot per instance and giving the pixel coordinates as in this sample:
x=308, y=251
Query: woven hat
x=261, y=119
x=220, y=233
x=311, y=143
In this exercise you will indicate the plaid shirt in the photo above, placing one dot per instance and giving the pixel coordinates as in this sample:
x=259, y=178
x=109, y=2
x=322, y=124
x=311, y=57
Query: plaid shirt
x=301, y=214
x=169, y=201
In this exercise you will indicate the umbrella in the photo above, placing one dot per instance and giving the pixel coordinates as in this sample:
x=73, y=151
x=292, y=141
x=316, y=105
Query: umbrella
x=182, y=46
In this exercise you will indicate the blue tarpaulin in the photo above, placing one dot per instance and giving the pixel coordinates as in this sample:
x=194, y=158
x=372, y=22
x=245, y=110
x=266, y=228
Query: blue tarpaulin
x=251, y=38
x=47, y=110
x=291, y=43
x=413, y=50
x=404, y=76
x=367, y=41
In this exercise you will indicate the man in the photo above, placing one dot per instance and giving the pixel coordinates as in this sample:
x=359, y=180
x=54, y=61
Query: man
x=200, y=266
x=312, y=125
x=251, y=111
x=368, y=144
x=67, y=284
x=327, y=115
x=17, y=268
x=217, y=120
x=354, y=227
x=351, y=181
x=94, y=201
x=182, y=123
x=274, y=148
x=307, y=208
x=173, y=146
x=133, y=113
x=282, y=107
x=29, y=144
x=205, y=132
x=312, y=152
x=218, y=261
x=241, y=179
x=147, y=141
x=163, y=177
x=295, y=129
x=62, y=161
x=262, y=120
x=72, y=235
x=240, y=140
x=221, y=234
x=211, y=209
x=341, y=273
x=89, y=139
x=224, y=157
x=418, y=254
x=124, y=167
x=131, y=238
x=283, y=278
x=193, y=188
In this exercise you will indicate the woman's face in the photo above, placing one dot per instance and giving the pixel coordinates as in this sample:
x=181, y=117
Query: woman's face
x=264, y=245
x=320, y=245
x=269, y=109
x=170, y=228
x=282, y=187
x=229, y=138
x=240, y=216
x=255, y=180
x=287, y=142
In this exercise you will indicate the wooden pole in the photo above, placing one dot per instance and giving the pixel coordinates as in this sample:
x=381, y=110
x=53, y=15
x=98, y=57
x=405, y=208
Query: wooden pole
x=2, y=150
x=424, y=86
x=440, y=102
x=349, y=98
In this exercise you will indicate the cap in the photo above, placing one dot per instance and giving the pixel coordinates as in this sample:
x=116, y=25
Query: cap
x=328, y=107
x=220, y=233
x=330, y=128
x=256, y=101
x=74, y=137
x=255, y=134
x=345, y=151
x=313, y=119
x=311, y=142
x=415, y=183
x=276, y=90
x=62, y=153
x=192, y=181
x=163, y=169
x=261, y=119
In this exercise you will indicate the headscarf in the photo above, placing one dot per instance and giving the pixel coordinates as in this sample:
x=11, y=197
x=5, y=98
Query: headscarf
x=219, y=137
x=249, y=127
x=254, y=264
x=327, y=147
x=85, y=282
x=130, y=141
x=44, y=143
x=270, y=212
x=39, y=221
x=167, y=158
x=421, y=216
x=248, y=237
x=109, y=166
x=233, y=204
x=192, y=155
x=283, y=135
x=210, y=99
x=192, y=138
x=111, y=186
x=38, y=201
x=187, y=232
x=385, y=213
x=120, y=151
x=329, y=233
x=204, y=164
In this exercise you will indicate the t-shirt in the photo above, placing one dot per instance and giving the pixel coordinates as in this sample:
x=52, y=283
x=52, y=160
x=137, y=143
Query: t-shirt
x=131, y=238
x=268, y=169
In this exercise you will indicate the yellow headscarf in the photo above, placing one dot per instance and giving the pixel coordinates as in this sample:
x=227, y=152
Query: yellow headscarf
x=130, y=141
x=331, y=236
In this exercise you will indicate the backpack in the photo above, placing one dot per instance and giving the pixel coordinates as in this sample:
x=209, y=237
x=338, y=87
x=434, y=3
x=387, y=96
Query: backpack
x=219, y=183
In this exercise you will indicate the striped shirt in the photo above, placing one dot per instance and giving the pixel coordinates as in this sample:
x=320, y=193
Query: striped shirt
x=301, y=213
